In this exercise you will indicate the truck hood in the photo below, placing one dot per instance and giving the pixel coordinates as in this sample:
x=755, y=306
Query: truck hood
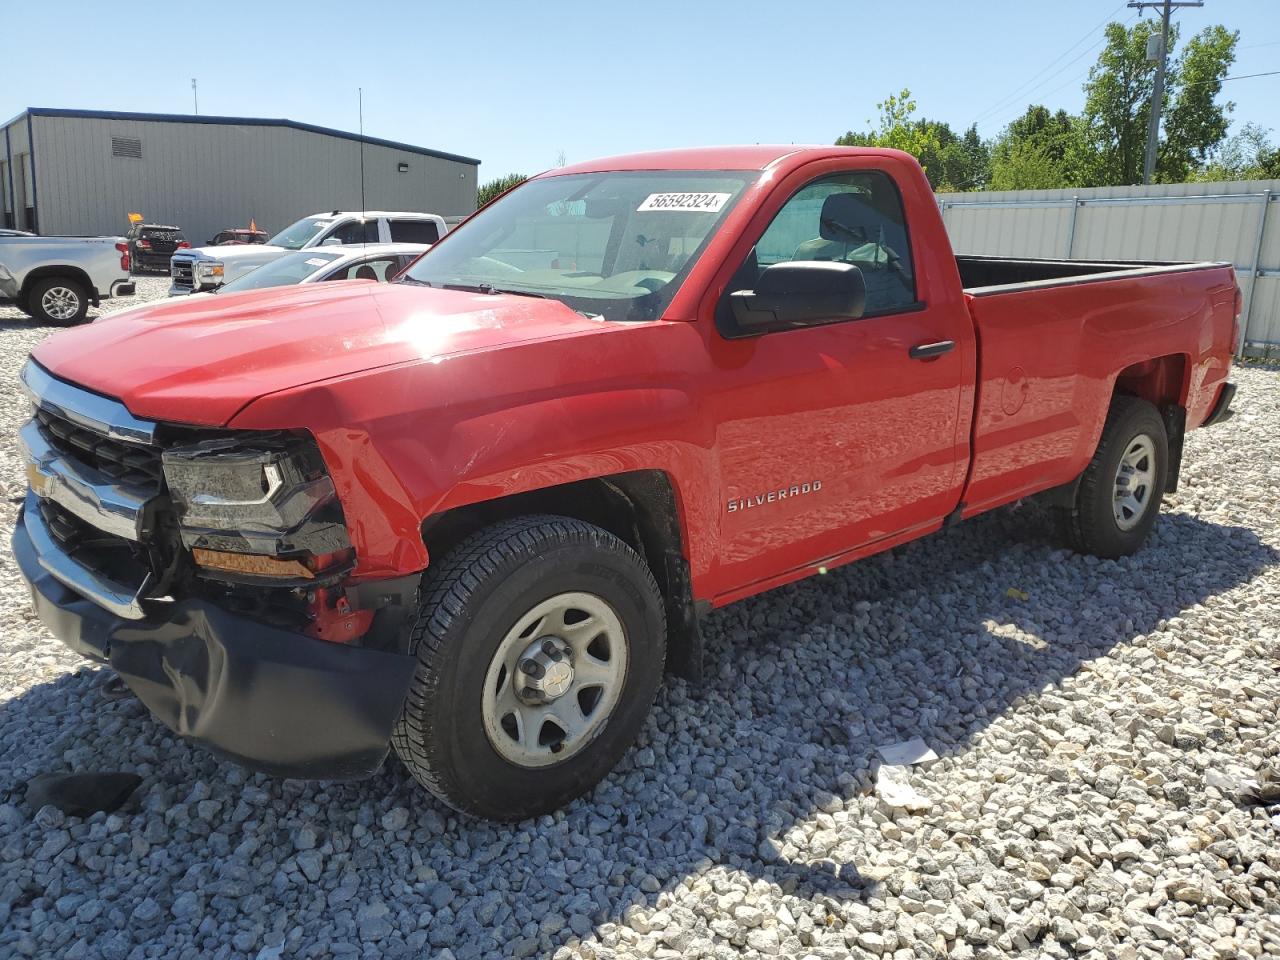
x=238, y=259
x=200, y=362
x=236, y=252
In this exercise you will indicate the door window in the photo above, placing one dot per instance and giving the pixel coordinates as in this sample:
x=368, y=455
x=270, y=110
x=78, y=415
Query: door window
x=414, y=231
x=377, y=269
x=354, y=231
x=854, y=218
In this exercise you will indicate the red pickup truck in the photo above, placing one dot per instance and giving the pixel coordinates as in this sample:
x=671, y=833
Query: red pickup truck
x=470, y=515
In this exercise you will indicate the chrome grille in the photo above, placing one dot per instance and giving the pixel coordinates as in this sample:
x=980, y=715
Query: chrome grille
x=93, y=469
x=125, y=463
x=182, y=270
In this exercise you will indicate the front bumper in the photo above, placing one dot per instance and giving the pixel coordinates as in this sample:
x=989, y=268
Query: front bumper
x=273, y=700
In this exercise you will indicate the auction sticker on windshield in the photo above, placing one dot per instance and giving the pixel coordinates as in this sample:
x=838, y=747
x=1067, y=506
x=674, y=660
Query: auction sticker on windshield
x=692, y=202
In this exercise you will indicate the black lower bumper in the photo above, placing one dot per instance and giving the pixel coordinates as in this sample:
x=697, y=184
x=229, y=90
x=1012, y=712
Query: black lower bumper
x=152, y=261
x=1222, y=409
x=276, y=701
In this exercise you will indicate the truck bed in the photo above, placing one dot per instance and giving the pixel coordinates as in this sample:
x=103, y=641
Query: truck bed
x=982, y=276
x=1057, y=338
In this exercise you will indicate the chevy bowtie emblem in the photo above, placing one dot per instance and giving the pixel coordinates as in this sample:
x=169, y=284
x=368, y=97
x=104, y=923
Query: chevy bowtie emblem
x=773, y=496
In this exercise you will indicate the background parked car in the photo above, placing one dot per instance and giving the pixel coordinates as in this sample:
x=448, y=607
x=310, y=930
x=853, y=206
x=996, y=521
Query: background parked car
x=152, y=244
x=56, y=279
x=208, y=268
x=238, y=235
x=371, y=261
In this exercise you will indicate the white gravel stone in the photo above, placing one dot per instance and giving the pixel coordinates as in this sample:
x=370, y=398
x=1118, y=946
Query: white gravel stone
x=1096, y=742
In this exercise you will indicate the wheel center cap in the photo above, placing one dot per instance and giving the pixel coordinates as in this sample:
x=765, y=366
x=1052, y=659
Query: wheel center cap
x=544, y=671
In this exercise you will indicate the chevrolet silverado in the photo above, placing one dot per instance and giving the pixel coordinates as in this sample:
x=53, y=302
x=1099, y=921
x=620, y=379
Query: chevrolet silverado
x=472, y=515
x=56, y=279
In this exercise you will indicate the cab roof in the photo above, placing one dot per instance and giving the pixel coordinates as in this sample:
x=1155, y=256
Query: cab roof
x=757, y=157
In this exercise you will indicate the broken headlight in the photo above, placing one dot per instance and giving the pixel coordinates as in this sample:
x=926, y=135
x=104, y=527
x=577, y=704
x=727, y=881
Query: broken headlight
x=269, y=495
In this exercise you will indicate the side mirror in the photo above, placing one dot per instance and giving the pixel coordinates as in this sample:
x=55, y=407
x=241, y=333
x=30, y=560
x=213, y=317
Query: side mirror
x=799, y=293
x=331, y=242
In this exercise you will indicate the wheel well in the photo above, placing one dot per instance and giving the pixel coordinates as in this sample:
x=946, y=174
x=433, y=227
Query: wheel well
x=70, y=272
x=1162, y=382
x=639, y=507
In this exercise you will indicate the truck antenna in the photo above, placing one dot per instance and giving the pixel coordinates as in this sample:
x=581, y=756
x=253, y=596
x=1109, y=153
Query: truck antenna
x=360, y=96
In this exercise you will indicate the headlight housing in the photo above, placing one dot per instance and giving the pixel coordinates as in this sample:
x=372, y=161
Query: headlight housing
x=267, y=495
x=211, y=270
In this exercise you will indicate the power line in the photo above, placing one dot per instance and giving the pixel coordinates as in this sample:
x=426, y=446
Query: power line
x=1019, y=91
x=1243, y=76
x=1047, y=95
x=1018, y=111
x=1049, y=79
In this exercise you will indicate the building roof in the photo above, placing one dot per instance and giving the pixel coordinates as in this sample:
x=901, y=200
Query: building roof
x=241, y=121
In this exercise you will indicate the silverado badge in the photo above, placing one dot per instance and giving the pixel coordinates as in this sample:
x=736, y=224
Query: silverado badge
x=773, y=496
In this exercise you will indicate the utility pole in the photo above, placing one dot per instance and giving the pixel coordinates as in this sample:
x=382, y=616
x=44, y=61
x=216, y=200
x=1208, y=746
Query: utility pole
x=1161, y=56
x=195, y=98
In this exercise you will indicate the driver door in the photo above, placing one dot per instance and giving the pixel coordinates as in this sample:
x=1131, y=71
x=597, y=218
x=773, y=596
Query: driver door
x=837, y=435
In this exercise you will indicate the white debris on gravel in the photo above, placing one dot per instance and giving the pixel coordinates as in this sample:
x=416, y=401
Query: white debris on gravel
x=1095, y=740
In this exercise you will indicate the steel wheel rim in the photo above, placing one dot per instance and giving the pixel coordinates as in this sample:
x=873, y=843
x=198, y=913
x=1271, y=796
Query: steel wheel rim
x=1135, y=482
x=584, y=630
x=61, y=303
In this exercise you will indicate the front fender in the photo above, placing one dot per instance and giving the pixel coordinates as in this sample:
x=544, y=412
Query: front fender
x=404, y=443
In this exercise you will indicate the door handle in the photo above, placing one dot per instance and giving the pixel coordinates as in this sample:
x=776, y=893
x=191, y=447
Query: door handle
x=931, y=351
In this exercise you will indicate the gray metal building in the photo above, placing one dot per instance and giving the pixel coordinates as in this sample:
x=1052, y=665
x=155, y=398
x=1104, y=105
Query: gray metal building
x=84, y=171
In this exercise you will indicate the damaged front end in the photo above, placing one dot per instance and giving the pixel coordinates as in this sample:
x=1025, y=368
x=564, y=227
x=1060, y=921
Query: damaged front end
x=210, y=568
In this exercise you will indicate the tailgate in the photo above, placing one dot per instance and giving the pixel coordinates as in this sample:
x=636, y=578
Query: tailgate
x=162, y=241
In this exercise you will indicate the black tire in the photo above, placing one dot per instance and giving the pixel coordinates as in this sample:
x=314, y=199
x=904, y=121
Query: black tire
x=74, y=290
x=1090, y=525
x=470, y=602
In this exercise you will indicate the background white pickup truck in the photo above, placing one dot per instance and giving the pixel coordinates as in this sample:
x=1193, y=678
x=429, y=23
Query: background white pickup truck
x=207, y=268
x=56, y=279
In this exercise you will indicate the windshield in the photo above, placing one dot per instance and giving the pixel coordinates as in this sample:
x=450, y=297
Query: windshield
x=616, y=245
x=295, y=236
x=293, y=268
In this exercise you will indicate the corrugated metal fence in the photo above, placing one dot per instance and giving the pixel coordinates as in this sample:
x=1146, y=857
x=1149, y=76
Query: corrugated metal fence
x=1236, y=221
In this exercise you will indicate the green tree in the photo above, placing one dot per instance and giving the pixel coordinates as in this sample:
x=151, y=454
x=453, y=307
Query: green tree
x=951, y=162
x=1118, y=103
x=1249, y=155
x=1040, y=150
x=495, y=188
x=1195, y=123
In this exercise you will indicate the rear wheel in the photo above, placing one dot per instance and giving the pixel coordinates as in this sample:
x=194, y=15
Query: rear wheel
x=1118, y=497
x=57, y=300
x=540, y=645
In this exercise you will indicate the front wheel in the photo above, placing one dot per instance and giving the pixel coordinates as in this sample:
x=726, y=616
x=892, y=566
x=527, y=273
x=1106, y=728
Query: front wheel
x=58, y=301
x=1119, y=494
x=540, y=644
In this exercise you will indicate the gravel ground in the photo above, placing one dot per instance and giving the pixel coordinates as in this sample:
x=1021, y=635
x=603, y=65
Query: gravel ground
x=1097, y=724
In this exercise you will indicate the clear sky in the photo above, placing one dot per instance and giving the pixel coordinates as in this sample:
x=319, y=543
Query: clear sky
x=519, y=84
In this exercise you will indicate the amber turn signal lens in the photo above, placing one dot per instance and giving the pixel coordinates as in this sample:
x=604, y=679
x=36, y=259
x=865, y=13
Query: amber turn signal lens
x=250, y=564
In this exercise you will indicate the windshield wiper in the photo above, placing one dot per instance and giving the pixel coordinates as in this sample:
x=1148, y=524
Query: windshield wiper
x=416, y=283
x=490, y=289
